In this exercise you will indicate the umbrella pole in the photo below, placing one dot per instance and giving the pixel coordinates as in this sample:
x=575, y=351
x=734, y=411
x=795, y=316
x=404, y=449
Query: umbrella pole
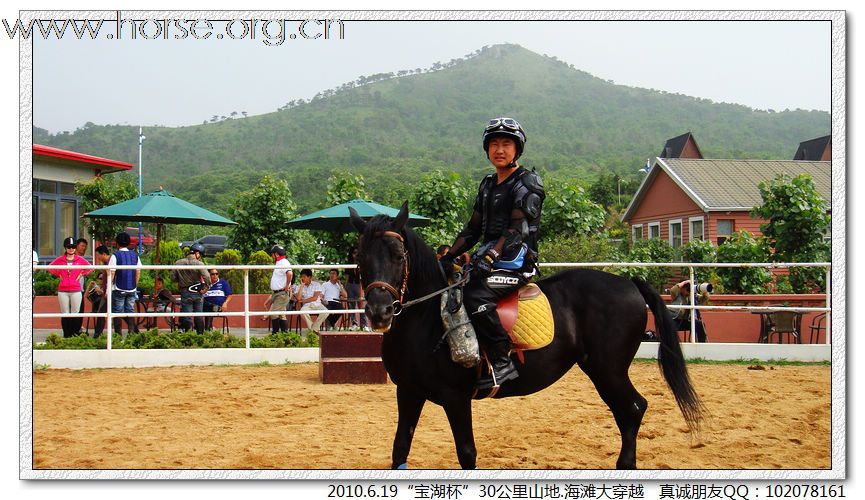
x=158, y=237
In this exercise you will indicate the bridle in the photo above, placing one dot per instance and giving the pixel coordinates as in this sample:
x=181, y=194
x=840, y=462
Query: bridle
x=397, y=295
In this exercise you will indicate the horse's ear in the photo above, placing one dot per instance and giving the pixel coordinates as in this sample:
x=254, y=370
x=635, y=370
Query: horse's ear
x=356, y=221
x=401, y=217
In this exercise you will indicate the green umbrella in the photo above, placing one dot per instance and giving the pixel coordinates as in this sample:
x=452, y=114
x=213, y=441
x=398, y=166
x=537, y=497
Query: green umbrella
x=160, y=207
x=336, y=218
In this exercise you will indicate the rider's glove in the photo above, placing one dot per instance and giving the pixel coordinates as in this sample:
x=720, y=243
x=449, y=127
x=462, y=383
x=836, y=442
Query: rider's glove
x=483, y=265
x=447, y=263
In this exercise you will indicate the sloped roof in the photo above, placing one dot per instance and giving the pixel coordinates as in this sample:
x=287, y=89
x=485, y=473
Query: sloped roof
x=812, y=150
x=726, y=185
x=674, y=147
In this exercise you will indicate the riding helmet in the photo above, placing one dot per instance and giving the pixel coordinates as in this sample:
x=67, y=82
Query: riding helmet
x=277, y=249
x=196, y=247
x=505, y=127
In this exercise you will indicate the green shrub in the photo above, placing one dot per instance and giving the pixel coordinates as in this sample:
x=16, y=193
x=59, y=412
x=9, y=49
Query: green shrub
x=700, y=251
x=652, y=250
x=577, y=249
x=744, y=247
x=234, y=277
x=45, y=283
x=259, y=279
x=154, y=339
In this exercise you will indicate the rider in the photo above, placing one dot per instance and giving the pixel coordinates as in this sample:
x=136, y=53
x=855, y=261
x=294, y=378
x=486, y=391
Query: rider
x=505, y=219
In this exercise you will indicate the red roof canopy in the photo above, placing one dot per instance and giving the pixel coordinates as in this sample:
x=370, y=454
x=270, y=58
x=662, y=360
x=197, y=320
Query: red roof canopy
x=40, y=150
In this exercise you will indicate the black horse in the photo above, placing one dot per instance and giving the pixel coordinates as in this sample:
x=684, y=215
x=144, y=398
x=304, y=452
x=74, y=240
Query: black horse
x=600, y=321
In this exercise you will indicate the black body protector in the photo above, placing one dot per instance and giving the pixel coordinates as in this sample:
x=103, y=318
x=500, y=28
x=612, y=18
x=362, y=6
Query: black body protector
x=507, y=218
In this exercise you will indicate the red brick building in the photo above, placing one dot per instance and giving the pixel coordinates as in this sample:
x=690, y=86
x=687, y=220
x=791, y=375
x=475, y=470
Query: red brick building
x=686, y=197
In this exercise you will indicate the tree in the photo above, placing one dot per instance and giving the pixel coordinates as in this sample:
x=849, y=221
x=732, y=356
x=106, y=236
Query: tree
x=569, y=211
x=101, y=192
x=744, y=247
x=652, y=250
x=342, y=187
x=444, y=199
x=797, y=224
x=262, y=214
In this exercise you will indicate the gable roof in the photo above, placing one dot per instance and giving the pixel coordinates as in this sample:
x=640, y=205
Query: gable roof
x=813, y=150
x=730, y=185
x=674, y=147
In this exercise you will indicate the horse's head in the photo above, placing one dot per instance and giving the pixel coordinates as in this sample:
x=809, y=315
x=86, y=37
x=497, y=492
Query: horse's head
x=383, y=263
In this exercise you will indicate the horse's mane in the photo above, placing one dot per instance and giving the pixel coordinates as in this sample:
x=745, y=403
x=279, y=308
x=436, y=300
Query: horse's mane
x=424, y=266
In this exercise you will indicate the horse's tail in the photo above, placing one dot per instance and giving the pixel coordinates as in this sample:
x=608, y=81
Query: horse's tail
x=670, y=358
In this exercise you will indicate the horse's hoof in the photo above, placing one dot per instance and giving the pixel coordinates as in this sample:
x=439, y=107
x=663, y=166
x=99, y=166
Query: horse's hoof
x=401, y=467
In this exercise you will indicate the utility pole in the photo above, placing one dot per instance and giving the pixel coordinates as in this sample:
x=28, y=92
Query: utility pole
x=140, y=146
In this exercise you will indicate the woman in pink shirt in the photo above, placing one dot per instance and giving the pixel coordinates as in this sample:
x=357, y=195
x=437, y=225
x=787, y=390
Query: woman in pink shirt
x=69, y=290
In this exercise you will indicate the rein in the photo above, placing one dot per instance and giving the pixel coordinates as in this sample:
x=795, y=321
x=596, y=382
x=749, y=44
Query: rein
x=398, y=295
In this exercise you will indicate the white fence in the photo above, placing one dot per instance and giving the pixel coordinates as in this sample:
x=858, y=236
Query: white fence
x=247, y=314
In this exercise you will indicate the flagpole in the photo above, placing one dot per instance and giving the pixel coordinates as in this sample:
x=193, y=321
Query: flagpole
x=140, y=145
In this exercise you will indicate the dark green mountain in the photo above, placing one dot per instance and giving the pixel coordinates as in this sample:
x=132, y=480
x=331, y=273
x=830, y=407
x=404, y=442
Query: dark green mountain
x=393, y=128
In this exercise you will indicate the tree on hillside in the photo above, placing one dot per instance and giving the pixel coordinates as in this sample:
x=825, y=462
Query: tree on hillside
x=342, y=187
x=101, y=192
x=797, y=225
x=442, y=198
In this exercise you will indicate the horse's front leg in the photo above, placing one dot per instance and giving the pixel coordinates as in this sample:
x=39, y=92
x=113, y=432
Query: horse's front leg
x=409, y=405
x=459, y=412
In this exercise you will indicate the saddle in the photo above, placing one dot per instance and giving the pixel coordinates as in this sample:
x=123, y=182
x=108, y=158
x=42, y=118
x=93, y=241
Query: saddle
x=527, y=317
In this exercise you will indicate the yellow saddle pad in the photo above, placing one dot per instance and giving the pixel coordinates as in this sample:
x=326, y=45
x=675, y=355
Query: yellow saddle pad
x=534, y=326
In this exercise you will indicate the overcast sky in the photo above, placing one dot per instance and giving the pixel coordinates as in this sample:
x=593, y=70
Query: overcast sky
x=768, y=64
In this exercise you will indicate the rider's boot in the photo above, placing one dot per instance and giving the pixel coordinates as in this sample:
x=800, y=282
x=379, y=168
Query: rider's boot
x=498, y=348
x=503, y=368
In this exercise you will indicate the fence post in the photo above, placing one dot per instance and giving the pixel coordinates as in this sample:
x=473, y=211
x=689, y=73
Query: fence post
x=246, y=305
x=109, y=280
x=693, y=311
x=828, y=304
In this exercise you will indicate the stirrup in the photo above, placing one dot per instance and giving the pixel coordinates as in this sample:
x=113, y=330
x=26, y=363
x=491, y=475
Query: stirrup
x=490, y=382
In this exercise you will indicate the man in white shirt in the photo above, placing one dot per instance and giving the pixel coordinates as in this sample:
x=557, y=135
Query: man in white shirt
x=333, y=296
x=280, y=287
x=309, y=294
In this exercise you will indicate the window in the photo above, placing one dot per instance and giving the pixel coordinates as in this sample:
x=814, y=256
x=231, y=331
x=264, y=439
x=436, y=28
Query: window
x=695, y=231
x=55, y=210
x=725, y=230
x=676, y=233
x=636, y=232
x=654, y=230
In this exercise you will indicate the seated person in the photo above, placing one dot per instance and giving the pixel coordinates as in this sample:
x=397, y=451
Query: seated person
x=309, y=294
x=333, y=296
x=160, y=300
x=681, y=295
x=216, y=298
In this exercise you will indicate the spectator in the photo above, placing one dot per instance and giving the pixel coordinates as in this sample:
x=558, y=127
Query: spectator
x=69, y=290
x=681, y=295
x=280, y=287
x=193, y=286
x=309, y=296
x=355, y=292
x=81, y=251
x=217, y=297
x=160, y=300
x=333, y=296
x=96, y=290
x=124, y=290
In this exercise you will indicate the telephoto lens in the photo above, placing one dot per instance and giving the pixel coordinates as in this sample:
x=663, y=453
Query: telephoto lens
x=705, y=288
